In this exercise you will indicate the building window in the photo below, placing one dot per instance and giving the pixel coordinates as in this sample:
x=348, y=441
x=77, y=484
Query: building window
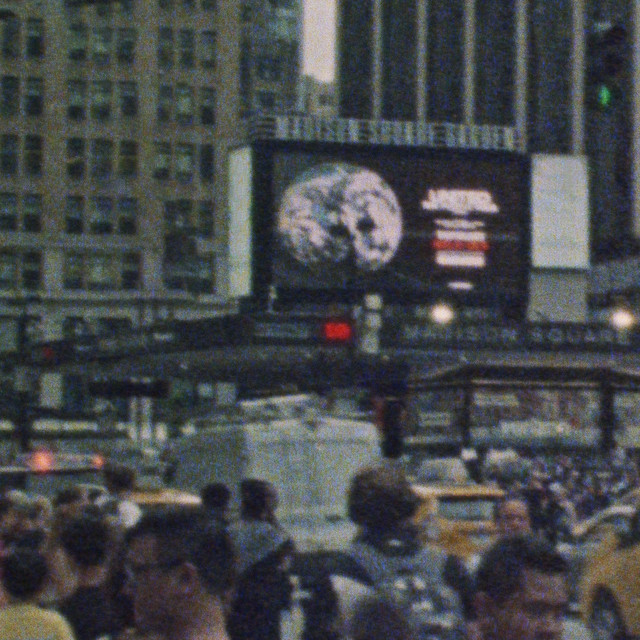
x=34, y=97
x=128, y=160
x=10, y=37
x=177, y=216
x=126, y=46
x=204, y=222
x=269, y=68
x=208, y=5
x=31, y=270
x=9, y=95
x=184, y=104
x=130, y=271
x=184, y=162
x=33, y=155
x=35, y=38
x=74, y=215
x=266, y=101
x=100, y=272
x=165, y=48
x=101, y=43
x=165, y=5
x=203, y=281
x=208, y=49
x=77, y=96
x=127, y=216
x=165, y=101
x=32, y=212
x=79, y=41
x=9, y=154
x=206, y=162
x=187, y=48
x=101, y=158
x=8, y=270
x=162, y=159
x=101, y=215
x=8, y=212
x=207, y=105
x=101, y=100
x=72, y=271
x=75, y=158
x=128, y=99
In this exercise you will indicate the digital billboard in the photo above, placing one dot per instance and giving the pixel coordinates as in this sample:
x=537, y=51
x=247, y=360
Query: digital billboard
x=337, y=221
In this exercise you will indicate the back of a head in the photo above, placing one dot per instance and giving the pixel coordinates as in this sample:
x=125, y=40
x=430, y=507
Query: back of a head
x=376, y=618
x=184, y=535
x=256, y=497
x=215, y=495
x=501, y=567
x=23, y=573
x=118, y=477
x=380, y=498
x=86, y=539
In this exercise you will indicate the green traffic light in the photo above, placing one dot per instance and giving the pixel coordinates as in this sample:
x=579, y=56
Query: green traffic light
x=605, y=96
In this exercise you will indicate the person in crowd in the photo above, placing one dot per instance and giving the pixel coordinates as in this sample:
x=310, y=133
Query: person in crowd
x=120, y=479
x=376, y=618
x=87, y=541
x=19, y=526
x=216, y=497
x=180, y=575
x=264, y=552
x=23, y=574
x=258, y=501
x=521, y=590
x=512, y=516
x=561, y=514
x=388, y=557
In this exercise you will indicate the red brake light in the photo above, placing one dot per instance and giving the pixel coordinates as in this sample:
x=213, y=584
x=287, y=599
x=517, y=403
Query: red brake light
x=337, y=331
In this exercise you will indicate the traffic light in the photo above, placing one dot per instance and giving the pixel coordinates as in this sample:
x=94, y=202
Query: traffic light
x=607, y=57
x=392, y=417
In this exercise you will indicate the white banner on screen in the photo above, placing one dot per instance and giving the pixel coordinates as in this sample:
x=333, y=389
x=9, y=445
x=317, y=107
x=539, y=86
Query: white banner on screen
x=560, y=212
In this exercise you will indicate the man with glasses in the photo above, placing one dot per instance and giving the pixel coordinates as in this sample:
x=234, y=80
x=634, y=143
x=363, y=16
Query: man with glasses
x=179, y=575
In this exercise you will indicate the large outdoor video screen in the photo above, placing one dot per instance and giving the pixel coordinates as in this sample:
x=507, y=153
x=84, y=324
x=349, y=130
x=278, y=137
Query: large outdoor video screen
x=404, y=222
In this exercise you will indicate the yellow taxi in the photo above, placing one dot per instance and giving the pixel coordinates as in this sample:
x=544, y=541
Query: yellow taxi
x=610, y=584
x=458, y=518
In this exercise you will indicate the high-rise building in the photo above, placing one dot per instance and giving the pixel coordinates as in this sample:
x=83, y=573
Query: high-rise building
x=115, y=119
x=531, y=64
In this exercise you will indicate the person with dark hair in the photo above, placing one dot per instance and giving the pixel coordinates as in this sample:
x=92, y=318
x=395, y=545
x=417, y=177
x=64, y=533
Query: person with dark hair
x=180, y=575
x=216, y=497
x=23, y=576
x=86, y=540
x=521, y=590
x=376, y=618
x=388, y=558
x=264, y=553
x=512, y=516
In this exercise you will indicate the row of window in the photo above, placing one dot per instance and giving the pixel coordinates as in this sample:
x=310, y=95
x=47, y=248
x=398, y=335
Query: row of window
x=11, y=42
x=180, y=103
x=179, y=160
x=102, y=271
x=104, y=45
x=103, y=214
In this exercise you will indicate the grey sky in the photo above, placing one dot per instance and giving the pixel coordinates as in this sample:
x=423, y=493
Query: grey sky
x=318, y=55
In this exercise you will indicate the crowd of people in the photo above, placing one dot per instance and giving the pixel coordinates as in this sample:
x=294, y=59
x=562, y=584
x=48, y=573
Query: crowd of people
x=90, y=565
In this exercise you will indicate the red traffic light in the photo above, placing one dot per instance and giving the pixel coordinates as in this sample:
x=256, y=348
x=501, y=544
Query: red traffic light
x=337, y=331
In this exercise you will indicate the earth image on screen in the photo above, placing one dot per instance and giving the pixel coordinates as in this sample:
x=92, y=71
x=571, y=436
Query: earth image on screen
x=340, y=213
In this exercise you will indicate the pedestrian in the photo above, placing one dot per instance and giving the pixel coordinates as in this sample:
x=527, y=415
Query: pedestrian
x=120, y=480
x=180, y=575
x=264, y=552
x=521, y=590
x=512, y=516
x=87, y=541
x=24, y=571
x=216, y=497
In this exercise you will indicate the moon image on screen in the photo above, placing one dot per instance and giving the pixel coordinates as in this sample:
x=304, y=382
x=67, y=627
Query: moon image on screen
x=339, y=213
